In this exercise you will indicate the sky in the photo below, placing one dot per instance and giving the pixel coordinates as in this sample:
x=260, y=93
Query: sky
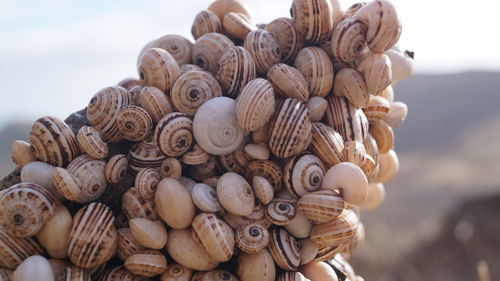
x=56, y=54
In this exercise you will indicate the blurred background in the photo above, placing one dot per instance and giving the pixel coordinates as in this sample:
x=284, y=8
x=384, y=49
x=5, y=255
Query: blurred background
x=441, y=213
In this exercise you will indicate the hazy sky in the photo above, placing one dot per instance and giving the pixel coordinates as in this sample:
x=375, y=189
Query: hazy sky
x=55, y=54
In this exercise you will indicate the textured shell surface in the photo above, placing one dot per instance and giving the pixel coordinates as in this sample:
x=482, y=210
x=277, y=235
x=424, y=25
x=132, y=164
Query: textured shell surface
x=186, y=251
x=237, y=25
x=300, y=226
x=350, y=122
x=134, y=206
x=205, y=22
x=292, y=276
x=348, y=249
x=350, y=84
x=171, y=168
x=317, y=69
x=119, y=273
x=144, y=154
x=252, y=238
x=255, y=104
x=22, y=153
x=197, y=156
x=267, y=169
x=371, y=148
x=174, y=134
x=192, y=89
x=289, y=39
x=55, y=233
x=215, y=236
x=318, y=270
x=90, y=176
x=237, y=67
x=176, y=272
x=155, y=102
x=281, y=211
x=209, y=49
x=326, y=253
x=158, y=68
x=236, y=161
x=147, y=263
x=205, y=198
x=351, y=10
x=235, y=194
x=146, y=182
x=223, y=7
x=259, y=266
x=5, y=274
x=258, y=151
x=262, y=189
x=402, y=63
x=204, y=171
x=191, y=67
x=354, y=152
x=377, y=71
x=303, y=174
x=14, y=250
x=66, y=185
x=173, y=203
x=349, y=39
x=397, y=114
x=264, y=49
x=116, y=168
x=40, y=173
x=313, y=18
x=179, y=47
x=134, y=123
x=349, y=179
x=284, y=249
x=288, y=81
x=134, y=93
x=337, y=231
x=129, y=83
x=327, y=144
x=149, y=234
x=377, y=109
x=91, y=142
x=126, y=245
x=258, y=216
x=321, y=206
x=383, y=135
x=73, y=273
x=53, y=142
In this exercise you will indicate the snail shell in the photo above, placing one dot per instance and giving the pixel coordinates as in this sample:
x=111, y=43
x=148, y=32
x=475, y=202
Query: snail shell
x=205, y=198
x=129, y=83
x=388, y=94
x=318, y=270
x=289, y=39
x=350, y=179
x=188, y=183
x=327, y=144
x=198, y=276
x=258, y=216
x=350, y=83
x=337, y=231
x=389, y=166
x=192, y=89
x=176, y=272
x=205, y=22
x=146, y=263
x=351, y=11
x=216, y=128
x=236, y=69
x=340, y=265
x=73, y=273
x=159, y=69
x=196, y=156
x=284, y=249
x=148, y=233
x=91, y=142
x=354, y=152
x=349, y=248
x=326, y=253
x=134, y=93
x=90, y=176
x=237, y=25
x=171, y=168
x=25, y=208
x=236, y=161
x=215, y=235
x=179, y=47
x=292, y=276
x=14, y=250
x=205, y=170
x=34, y=268
x=303, y=174
x=262, y=189
x=255, y=104
x=174, y=134
x=259, y=266
x=119, y=273
x=235, y=194
x=191, y=67
x=144, y=154
x=308, y=251
x=252, y=238
x=102, y=111
x=321, y=206
x=317, y=69
x=66, y=185
x=22, y=153
x=288, y=81
x=41, y=174
x=402, y=63
x=376, y=69
x=371, y=148
x=134, y=206
x=219, y=275
x=155, y=102
x=146, y=182
x=317, y=108
x=383, y=135
x=396, y=115
x=186, y=251
x=174, y=204
x=258, y=151
x=5, y=274
x=368, y=166
x=208, y=50
x=223, y=7
x=116, y=168
x=290, y=131
x=92, y=240
x=378, y=107
x=264, y=49
x=313, y=18
x=134, y=123
x=281, y=211
x=266, y=169
x=349, y=39
x=350, y=122
x=53, y=142
x=126, y=244
x=55, y=233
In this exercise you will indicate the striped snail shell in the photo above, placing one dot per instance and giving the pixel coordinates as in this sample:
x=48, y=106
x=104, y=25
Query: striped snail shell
x=14, y=250
x=126, y=245
x=259, y=266
x=22, y=153
x=134, y=94
x=321, y=206
x=147, y=263
x=303, y=174
x=179, y=47
x=281, y=211
x=236, y=69
x=129, y=83
x=350, y=122
x=204, y=171
x=267, y=169
x=119, y=273
x=383, y=135
x=235, y=194
x=174, y=134
x=292, y=276
x=91, y=142
x=318, y=270
x=235, y=161
x=53, y=142
x=371, y=148
x=350, y=83
x=317, y=108
x=176, y=272
x=252, y=238
x=116, y=168
x=219, y=275
x=289, y=39
x=264, y=49
x=215, y=236
x=351, y=10
x=349, y=39
x=171, y=168
x=209, y=49
x=288, y=81
x=313, y=18
x=205, y=198
x=354, y=152
x=327, y=144
x=317, y=69
x=376, y=69
x=396, y=115
x=337, y=231
x=255, y=104
x=185, y=250
x=237, y=25
x=258, y=216
x=159, y=69
x=134, y=123
x=155, y=102
x=339, y=264
x=134, y=206
x=377, y=109
x=102, y=111
x=144, y=154
x=284, y=249
x=192, y=89
x=196, y=156
x=205, y=22
x=25, y=208
x=326, y=253
x=93, y=237
x=146, y=182
x=349, y=248
x=73, y=273
x=66, y=185
x=262, y=189
x=5, y=274
x=368, y=166
x=90, y=176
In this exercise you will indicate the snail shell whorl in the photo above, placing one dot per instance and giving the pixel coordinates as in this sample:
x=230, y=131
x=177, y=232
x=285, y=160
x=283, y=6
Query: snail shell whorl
x=146, y=182
x=354, y=152
x=252, y=238
x=176, y=272
x=349, y=39
x=317, y=68
x=255, y=104
x=205, y=198
x=5, y=274
x=215, y=236
x=191, y=67
x=235, y=161
x=281, y=211
x=313, y=18
x=174, y=134
x=197, y=156
x=235, y=194
x=208, y=50
x=14, y=250
x=267, y=169
x=377, y=109
x=171, y=168
x=134, y=123
x=91, y=142
x=116, y=168
x=159, y=69
x=289, y=39
x=264, y=49
x=144, y=154
x=179, y=47
x=236, y=69
x=303, y=174
x=284, y=249
x=350, y=122
x=205, y=22
x=258, y=266
x=90, y=176
x=155, y=102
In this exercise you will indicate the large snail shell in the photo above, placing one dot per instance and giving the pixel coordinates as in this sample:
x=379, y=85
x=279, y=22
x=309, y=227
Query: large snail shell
x=334, y=233
x=219, y=275
x=155, y=102
x=144, y=154
x=327, y=144
x=192, y=89
x=317, y=270
x=350, y=122
x=216, y=128
x=205, y=22
x=236, y=69
x=313, y=18
x=300, y=226
x=176, y=272
x=22, y=153
x=53, y=142
x=376, y=69
x=289, y=82
x=90, y=176
x=91, y=142
x=377, y=108
x=284, y=249
x=55, y=233
x=174, y=134
x=397, y=114
x=350, y=83
x=25, y=208
x=383, y=135
x=179, y=47
x=237, y=25
x=159, y=69
x=134, y=206
x=34, y=268
x=116, y=168
x=235, y=194
x=255, y=104
x=321, y=206
x=317, y=68
x=215, y=235
x=182, y=247
x=303, y=174
x=208, y=50
x=174, y=204
x=289, y=39
x=264, y=49
x=92, y=240
x=205, y=198
x=349, y=39
x=281, y=211
x=258, y=266
x=290, y=131
x=134, y=123
x=267, y=169
x=147, y=263
x=13, y=250
x=103, y=109
x=292, y=276
x=223, y=7
x=146, y=182
x=73, y=273
x=126, y=245
x=350, y=179
x=252, y=238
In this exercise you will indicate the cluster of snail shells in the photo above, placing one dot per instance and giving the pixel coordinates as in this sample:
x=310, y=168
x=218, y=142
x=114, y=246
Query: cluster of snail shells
x=252, y=149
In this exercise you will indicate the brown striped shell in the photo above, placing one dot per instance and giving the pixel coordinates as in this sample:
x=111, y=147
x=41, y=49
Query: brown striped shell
x=396, y=115
x=237, y=25
x=258, y=151
x=252, y=238
x=288, y=81
x=129, y=83
x=53, y=142
x=134, y=206
x=134, y=93
x=144, y=154
x=103, y=109
x=205, y=22
x=185, y=250
x=159, y=69
x=289, y=39
x=235, y=194
x=368, y=166
x=176, y=272
x=255, y=104
x=303, y=174
x=191, y=67
x=25, y=208
x=281, y=211
x=317, y=108
x=292, y=276
x=14, y=250
x=235, y=161
x=236, y=69
x=349, y=39
x=66, y=185
x=73, y=273
x=371, y=148
x=5, y=274
x=351, y=10
x=267, y=169
x=196, y=156
x=284, y=249
x=22, y=153
x=258, y=216
x=348, y=121
x=327, y=253
x=264, y=49
x=317, y=69
x=350, y=83
x=90, y=176
x=174, y=134
x=146, y=182
x=91, y=142
x=377, y=109
x=313, y=18
x=215, y=236
x=327, y=144
x=376, y=69
x=209, y=49
x=126, y=245
x=134, y=123
x=146, y=263
x=116, y=168
x=262, y=189
x=321, y=206
x=337, y=231
x=354, y=152
x=93, y=237
x=204, y=171
x=155, y=102
x=258, y=266
x=119, y=273
x=179, y=47
x=205, y=198
x=192, y=89
x=383, y=135
x=348, y=249
x=171, y=168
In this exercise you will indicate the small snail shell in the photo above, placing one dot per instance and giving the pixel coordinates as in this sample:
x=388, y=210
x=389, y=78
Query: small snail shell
x=215, y=235
x=126, y=245
x=376, y=69
x=257, y=151
x=192, y=89
x=116, y=168
x=267, y=169
x=235, y=194
x=134, y=123
x=313, y=18
x=383, y=135
x=264, y=49
x=288, y=81
x=171, y=168
x=317, y=270
x=22, y=153
x=252, y=238
x=176, y=272
x=236, y=69
x=191, y=67
x=223, y=7
x=402, y=64
x=219, y=275
x=308, y=251
x=281, y=211
x=292, y=276
x=174, y=134
x=284, y=249
x=91, y=142
x=350, y=83
x=212, y=182
x=259, y=266
x=208, y=50
x=396, y=115
x=368, y=166
x=350, y=179
x=103, y=109
x=371, y=148
x=205, y=22
x=186, y=251
x=334, y=233
x=14, y=250
x=327, y=144
x=236, y=161
x=34, y=268
x=237, y=25
x=90, y=176
x=389, y=166
x=289, y=39
x=146, y=182
x=317, y=108
x=354, y=152
x=205, y=198
x=144, y=154
x=155, y=102
x=53, y=142
x=321, y=206
x=179, y=47
x=134, y=206
x=92, y=240
x=215, y=126
x=73, y=273
x=303, y=174
x=262, y=189
x=316, y=67
x=198, y=276
x=290, y=131
x=255, y=104
x=377, y=108
x=25, y=208
x=55, y=233
x=349, y=39
x=258, y=216
x=134, y=93
x=174, y=204
x=39, y=173
x=148, y=233
x=159, y=69
x=349, y=122
x=196, y=156
x=146, y=263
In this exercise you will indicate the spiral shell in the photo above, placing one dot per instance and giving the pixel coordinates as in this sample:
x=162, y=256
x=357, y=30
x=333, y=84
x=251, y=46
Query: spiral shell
x=146, y=263
x=237, y=25
x=354, y=152
x=158, y=68
x=134, y=123
x=288, y=81
x=196, y=156
x=171, y=168
x=22, y=153
x=284, y=249
x=174, y=134
x=73, y=273
x=155, y=102
x=236, y=69
x=173, y=203
x=176, y=272
x=205, y=198
x=91, y=142
x=350, y=83
x=377, y=109
x=313, y=18
x=376, y=69
x=179, y=47
x=215, y=235
x=337, y=231
x=134, y=206
x=259, y=266
x=14, y=250
x=321, y=206
x=144, y=154
x=188, y=252
x=92, y=240
x=266, y=169
x=289, y=39
x=235, y=194
x=349, y=122
x=126, y=245
x=146, y=182
x=252, y=238
x=262, y=189
x=116, y=168
x=90, y=176
x=209, y=49
x=396, y=115
x=327, y=144
x=102, y=111
x=351, y=11
x=191, y=67
x=317, y=69
x=383, y=135
x=53, y=142
x=281, y=211
x=303, y=174
x=255, y=104
x=349, y=39
x=192, y=89
x=292, y=276
x=205, y=170
x=205, y=22
x=264, y=49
